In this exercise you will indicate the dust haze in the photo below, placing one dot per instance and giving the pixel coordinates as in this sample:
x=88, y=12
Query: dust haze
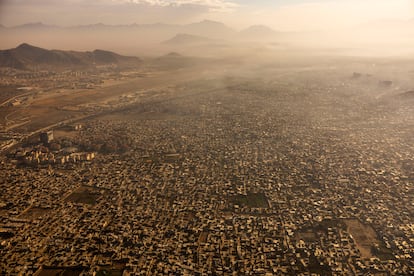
x=196, y=148
x=212, y=38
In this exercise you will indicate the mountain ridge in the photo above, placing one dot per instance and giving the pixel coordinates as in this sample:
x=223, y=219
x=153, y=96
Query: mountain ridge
x=26, y=56
x=182, y=38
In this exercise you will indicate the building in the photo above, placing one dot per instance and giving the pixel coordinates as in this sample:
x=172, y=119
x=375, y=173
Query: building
x=46, y=137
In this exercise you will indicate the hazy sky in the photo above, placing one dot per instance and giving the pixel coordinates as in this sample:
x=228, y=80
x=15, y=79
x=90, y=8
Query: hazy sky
x=278, y=14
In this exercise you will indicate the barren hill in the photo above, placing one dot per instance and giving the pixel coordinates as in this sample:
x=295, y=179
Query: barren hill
x=26, y=56
x=188, y=39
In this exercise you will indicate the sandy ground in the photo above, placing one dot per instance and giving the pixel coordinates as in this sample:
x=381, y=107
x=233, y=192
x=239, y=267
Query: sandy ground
x=49, y=108
x=364, y=236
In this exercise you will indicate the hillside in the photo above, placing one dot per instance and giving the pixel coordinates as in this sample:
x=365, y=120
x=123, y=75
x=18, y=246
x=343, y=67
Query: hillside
x=187, y=39
x=27, y=57
x=258, y=32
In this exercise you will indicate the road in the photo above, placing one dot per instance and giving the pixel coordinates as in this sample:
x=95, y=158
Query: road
x=46, y=110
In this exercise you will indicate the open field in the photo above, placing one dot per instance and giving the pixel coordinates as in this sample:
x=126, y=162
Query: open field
x=252, y=200
x=366, y=240
x=85, y=195
x=365, y=237
x=34, y=212
x=51, y=107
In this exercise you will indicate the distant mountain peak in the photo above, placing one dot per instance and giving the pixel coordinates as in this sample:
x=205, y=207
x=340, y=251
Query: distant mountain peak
x=97, y=51
x=173, y=54
x=32, y=25
x=38, y=23
x=210, y=24
x=209, y=28
x=187, y=39
x=207, y=21
x=97, y=25
x=27, y=50
x=258, y=32
x=259, y=28
x=25, y=46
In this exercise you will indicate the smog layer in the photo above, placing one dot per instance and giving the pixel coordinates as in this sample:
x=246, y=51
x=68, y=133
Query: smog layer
x=200, y=156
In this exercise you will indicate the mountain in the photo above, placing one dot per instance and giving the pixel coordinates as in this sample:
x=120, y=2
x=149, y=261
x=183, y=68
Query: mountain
x=209, y=28
x=258, y=32
x=173, y=54
x=26, y=56
x=7, y=59
x=33, y=26
x=187, y=39
x=133, y=39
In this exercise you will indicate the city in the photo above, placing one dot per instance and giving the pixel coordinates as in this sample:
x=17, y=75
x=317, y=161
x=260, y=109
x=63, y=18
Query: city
x=259, y=176
x=207, y=137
